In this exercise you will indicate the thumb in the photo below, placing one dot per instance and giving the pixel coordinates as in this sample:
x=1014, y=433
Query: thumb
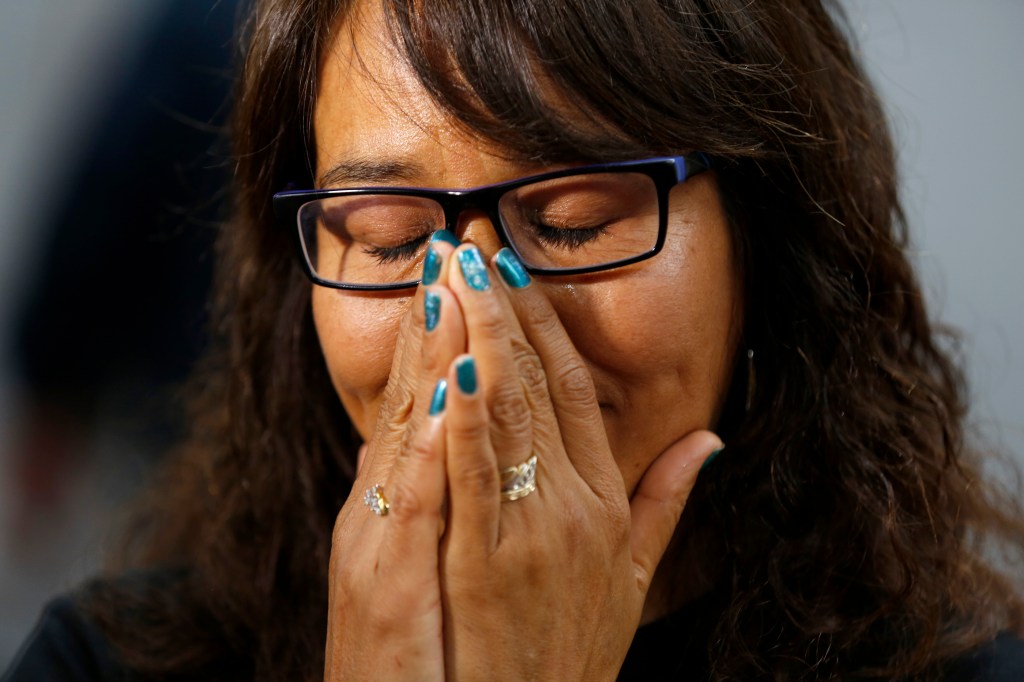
x=660, y=497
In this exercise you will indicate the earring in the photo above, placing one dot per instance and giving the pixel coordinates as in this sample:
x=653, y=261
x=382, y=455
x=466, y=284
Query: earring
x=751, y=379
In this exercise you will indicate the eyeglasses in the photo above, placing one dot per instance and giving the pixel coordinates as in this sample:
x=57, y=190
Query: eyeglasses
x=568, y=222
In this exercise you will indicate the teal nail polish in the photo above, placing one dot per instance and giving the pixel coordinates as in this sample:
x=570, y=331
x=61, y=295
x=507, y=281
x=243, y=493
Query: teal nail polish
x=431, y=309
x=431, y=266
x=511, y=269
x=473, y=269
x=465, y=374
x=437, y=400
x=445, y=236
x=711, y=457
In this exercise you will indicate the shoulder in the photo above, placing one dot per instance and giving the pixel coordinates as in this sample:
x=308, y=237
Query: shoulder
x=1001, y=660
x=68, y=645
x=64, y=645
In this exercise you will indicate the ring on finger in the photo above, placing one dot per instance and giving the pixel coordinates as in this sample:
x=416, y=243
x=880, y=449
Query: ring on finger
x=375, y=500
x=519, y=481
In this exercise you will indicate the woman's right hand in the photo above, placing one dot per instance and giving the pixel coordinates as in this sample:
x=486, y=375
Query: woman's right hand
x=385, y=608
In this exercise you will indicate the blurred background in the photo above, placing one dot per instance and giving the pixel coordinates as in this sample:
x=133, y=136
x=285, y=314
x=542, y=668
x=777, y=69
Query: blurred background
x=112, y=177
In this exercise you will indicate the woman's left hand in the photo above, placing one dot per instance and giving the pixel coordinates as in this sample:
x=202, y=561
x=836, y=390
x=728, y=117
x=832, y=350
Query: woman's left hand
x=552, y=585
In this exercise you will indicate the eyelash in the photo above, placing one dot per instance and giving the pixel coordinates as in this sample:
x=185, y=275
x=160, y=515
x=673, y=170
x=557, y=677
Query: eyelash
x=391, y=254
x=572, y=239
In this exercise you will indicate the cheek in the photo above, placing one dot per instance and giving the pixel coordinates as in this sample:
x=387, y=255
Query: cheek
x=678, y=319
x=660, y=340
x=357, y=335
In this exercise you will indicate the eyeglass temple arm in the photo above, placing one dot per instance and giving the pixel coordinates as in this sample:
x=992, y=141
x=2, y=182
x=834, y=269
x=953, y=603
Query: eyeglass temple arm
x=691, y=164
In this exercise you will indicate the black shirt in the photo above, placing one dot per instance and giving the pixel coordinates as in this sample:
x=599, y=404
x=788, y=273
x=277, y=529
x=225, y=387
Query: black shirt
x=66, y=647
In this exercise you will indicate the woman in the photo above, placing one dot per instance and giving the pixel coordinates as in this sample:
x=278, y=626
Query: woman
x=683, y=232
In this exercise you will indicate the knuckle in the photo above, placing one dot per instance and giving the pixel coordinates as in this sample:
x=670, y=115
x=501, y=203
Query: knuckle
x=509, y=410
x=574, y=523
x=420, y=450
x=433, y=362
x=530, y=368
x=574, y=381
x=478, y=476
x=397, y=403
x=540, y=316
x=406, y=502
x=403, y=439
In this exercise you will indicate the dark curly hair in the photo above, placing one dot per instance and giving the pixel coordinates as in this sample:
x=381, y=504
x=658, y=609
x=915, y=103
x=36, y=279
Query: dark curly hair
x=850, y=523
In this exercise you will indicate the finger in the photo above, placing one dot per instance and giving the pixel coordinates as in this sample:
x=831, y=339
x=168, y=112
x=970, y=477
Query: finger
x=384, y=570
x=399, y=396
x=568, y=383
x=414, y=370
x=473, y=487
x=383, y=588
x=514, y=277
x=415, y=496
x=443, y=339
x=492, y=333
x=376, y=456
x=660, y=497
x=443, y=334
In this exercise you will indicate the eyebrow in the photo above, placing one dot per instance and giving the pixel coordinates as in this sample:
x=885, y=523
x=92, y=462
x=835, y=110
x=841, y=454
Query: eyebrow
x=370, y=171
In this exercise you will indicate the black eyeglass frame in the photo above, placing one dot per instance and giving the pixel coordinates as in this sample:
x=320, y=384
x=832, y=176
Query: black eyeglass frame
x=666, y=172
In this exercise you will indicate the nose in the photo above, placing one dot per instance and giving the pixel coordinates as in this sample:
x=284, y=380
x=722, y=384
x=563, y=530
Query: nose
x=475, y=227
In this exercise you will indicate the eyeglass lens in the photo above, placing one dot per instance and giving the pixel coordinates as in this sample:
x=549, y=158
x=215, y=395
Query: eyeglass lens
x=562, y=223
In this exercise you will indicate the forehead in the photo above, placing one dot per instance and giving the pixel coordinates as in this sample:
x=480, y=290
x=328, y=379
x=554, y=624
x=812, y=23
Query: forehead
x=373, y=112
x=366, y=91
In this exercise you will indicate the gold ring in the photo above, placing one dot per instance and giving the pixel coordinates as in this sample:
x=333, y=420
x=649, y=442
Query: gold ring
x=375, y=500
x=519, y=481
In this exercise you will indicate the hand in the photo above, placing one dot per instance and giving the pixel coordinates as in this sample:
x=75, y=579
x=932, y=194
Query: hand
x=550, y=586
x=384, y=611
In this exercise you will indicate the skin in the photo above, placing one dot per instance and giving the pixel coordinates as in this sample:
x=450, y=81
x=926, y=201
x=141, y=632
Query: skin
x=611, y=380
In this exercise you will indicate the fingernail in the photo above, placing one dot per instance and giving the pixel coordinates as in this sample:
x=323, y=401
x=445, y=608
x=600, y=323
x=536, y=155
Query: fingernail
x=431, y=309
x=465, y=374
x=437, y=400
x=511, y=269
x=473, y=269
x=445, y=236
x=711, y=457
x=431, y=266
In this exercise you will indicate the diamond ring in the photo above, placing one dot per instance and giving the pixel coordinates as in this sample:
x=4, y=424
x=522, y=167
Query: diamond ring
x=375, y=500
x=519, y=481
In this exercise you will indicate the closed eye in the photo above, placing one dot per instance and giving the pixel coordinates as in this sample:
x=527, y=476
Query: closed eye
x=570, y=238
x=392, y=254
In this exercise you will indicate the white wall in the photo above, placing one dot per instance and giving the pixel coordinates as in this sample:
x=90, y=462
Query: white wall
x=949, y=72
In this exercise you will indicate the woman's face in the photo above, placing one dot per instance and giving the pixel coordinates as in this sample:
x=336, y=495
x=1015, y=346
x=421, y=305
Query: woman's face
x=658, y=336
